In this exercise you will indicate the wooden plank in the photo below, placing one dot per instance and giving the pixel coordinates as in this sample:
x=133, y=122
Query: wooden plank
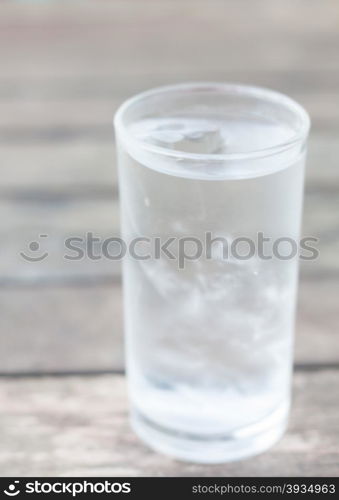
x=28, y=217
x=77, y=166
x=91, y=37
x=78, y=426
x=39, y=152
x=321, y=164
x=29, y=213
x=317, y=335
x=93, y=93
x=73, y=117
x=80, y=328
x=52, y=168
x=100, y=46
x=61, y=329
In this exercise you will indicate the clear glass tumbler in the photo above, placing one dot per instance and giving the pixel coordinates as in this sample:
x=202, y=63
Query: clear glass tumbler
x=211, y=185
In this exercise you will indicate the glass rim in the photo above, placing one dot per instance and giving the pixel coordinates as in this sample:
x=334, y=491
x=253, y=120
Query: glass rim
x=263, y=93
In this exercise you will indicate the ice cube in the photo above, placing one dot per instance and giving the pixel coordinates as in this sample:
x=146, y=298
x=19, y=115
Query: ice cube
x=201, y=142
x=165, y=138
x=192, y=137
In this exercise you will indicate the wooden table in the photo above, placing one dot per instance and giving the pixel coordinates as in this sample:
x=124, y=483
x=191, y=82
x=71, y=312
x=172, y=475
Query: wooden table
x=65, y=67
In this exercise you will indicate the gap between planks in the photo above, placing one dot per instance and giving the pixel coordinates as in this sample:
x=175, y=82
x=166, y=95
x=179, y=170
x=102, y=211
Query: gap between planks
x=298, y=367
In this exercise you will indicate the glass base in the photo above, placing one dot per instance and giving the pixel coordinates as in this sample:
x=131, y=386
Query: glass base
x=243, y=443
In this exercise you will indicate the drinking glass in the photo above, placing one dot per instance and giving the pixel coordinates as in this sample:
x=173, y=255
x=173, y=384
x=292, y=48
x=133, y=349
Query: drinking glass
x=211, y=186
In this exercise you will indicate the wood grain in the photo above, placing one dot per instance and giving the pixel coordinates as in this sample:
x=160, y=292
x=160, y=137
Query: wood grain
x=50, y=219
x=65, y=68
x=76, y=328
x=78, y=426
x=72, y=165
x=79, y=328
